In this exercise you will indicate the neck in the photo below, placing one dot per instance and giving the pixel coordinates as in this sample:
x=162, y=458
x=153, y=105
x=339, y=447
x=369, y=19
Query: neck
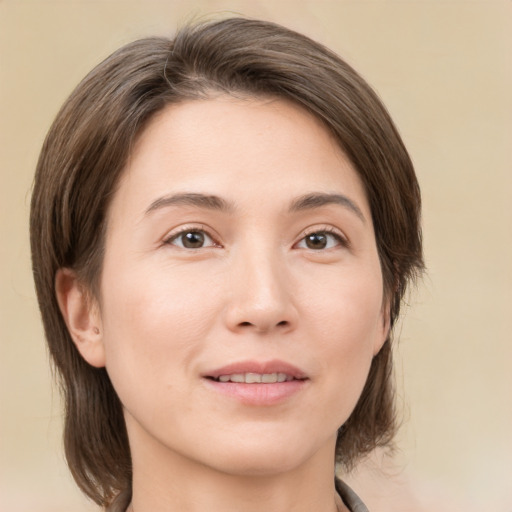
x=257, y=498
x=164, y=481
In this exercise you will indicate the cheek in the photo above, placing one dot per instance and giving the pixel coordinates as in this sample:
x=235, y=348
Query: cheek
x=348, y=303
x=345, y=318
x=154, y=323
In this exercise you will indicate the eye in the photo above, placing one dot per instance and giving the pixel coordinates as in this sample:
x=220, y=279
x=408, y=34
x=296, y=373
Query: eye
x=320, y=240
x=191, y=239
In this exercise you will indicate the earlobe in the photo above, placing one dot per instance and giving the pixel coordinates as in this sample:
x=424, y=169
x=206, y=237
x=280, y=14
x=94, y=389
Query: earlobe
x=81, y=315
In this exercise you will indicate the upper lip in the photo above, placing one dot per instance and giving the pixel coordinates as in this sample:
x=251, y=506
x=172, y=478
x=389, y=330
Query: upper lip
x=261, y=367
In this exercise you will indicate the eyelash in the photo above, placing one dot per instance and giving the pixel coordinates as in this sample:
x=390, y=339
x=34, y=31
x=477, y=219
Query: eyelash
x=328, y=231
x=191, y=229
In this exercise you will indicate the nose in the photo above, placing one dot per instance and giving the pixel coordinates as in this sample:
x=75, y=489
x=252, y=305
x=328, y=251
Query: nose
x=261, y=296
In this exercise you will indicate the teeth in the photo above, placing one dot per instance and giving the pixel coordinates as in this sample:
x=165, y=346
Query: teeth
x=252, y=378
x=269, y=378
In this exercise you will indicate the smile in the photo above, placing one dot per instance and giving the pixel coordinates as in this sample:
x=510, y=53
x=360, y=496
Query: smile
x=257, y=383
x=256, y=378
x=256, y=372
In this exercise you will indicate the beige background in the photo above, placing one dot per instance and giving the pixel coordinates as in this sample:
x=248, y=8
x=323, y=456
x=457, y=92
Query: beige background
x=444, y=70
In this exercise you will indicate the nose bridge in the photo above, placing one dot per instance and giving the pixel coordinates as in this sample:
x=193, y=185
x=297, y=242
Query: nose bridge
x=261, y=295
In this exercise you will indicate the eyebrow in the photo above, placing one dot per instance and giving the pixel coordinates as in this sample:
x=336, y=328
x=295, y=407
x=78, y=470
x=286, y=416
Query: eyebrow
x=212, y=202
x=208, y=202
x=317, y=200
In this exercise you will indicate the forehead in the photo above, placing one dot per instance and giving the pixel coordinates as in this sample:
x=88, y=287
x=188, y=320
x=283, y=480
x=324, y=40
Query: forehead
x=227, y=145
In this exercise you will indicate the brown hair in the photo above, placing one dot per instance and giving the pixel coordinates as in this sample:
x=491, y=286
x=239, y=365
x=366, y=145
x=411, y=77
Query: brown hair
x=85, y=152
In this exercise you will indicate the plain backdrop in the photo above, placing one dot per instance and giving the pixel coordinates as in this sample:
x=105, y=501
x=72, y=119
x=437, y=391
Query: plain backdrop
x=444, y=69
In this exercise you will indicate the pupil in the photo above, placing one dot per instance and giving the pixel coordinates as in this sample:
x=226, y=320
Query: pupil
x=316, y=241
x=193, y=240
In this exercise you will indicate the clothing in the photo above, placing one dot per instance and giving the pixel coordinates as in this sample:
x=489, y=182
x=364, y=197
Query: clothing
x=349, y=497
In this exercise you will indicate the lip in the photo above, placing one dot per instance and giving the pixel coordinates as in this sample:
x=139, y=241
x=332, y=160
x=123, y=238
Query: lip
x=274, y=366
x=256, y=394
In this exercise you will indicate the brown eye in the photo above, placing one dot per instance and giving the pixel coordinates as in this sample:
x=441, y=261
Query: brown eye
x=316, y=241
x=320, y=240
x=192, y=239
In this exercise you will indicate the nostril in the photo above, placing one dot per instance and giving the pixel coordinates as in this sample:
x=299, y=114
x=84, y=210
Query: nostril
x=282, y=323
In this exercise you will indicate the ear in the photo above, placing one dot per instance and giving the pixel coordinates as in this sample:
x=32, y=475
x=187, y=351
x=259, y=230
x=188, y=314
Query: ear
x=82, y=316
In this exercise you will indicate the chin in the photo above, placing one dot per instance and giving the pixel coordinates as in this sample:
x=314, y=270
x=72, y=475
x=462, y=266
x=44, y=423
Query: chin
x=258, y=464
x=262, y=456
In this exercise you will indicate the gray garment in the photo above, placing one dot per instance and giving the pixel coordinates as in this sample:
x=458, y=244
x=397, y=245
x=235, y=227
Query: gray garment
x=350, y=498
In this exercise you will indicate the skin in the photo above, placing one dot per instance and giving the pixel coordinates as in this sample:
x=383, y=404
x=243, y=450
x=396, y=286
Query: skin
x=257, y=289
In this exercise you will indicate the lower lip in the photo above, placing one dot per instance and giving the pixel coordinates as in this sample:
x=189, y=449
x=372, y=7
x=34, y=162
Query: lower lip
x=258, y=394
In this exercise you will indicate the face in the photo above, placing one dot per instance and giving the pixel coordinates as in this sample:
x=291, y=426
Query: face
x=241, y=294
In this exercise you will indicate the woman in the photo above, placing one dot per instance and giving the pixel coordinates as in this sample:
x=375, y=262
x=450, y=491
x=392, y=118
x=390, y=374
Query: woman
x=223, y=226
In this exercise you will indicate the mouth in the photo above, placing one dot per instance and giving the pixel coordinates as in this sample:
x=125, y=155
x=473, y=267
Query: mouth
x=257, y=383
x=255, y=378
x=256, y=372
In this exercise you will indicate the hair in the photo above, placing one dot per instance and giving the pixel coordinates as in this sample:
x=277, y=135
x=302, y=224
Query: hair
x=84, y=155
